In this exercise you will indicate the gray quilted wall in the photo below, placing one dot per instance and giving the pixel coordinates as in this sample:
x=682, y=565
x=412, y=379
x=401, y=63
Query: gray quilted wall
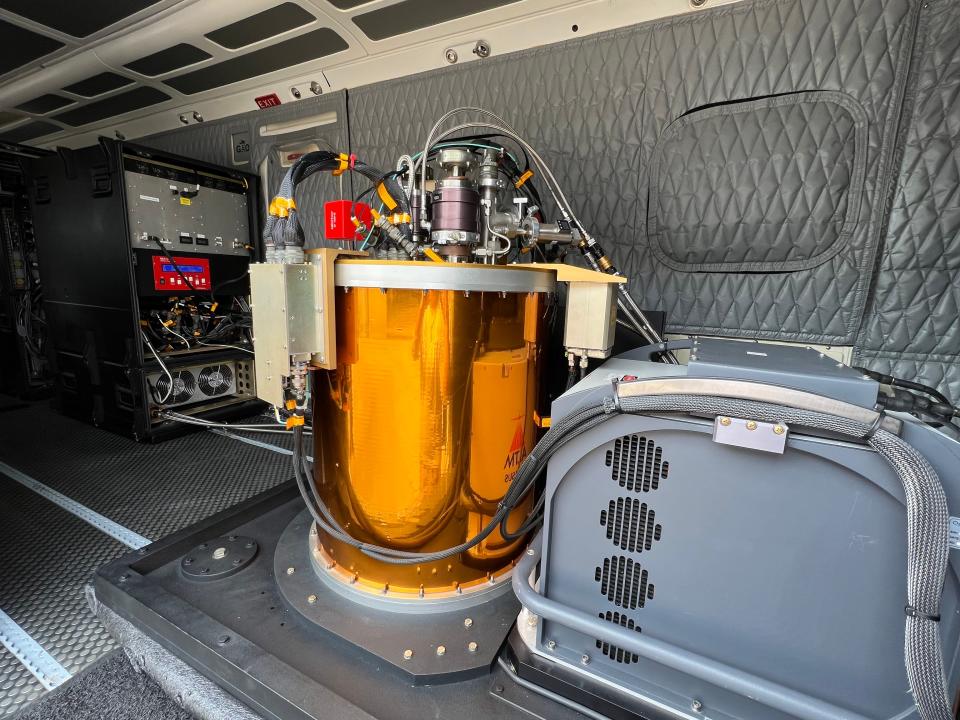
x=913, y=326
x=739, y=163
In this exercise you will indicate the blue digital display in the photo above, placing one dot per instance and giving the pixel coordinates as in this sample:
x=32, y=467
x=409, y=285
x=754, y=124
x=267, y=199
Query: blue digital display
x=183, y=268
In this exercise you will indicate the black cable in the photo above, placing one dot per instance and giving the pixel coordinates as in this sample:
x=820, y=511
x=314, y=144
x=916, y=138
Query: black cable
x=885, y=379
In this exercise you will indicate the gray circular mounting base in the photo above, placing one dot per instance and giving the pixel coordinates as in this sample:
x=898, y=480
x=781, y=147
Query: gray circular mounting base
x=447, y=644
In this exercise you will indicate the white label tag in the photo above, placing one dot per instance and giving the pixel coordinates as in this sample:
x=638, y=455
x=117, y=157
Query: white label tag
x=150, y=198
x=953, y=535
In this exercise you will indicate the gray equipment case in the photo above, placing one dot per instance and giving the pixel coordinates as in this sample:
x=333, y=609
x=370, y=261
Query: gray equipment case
x=779, y=577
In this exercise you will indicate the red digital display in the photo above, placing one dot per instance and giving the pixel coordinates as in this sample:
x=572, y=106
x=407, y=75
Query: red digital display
x=196, y=272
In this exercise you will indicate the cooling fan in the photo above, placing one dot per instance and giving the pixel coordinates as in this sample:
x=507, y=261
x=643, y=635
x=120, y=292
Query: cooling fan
x=216, y=380
x=184, y=385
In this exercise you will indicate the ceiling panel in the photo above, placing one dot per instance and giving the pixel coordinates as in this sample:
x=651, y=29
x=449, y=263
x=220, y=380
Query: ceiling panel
x=45, y=103
x=261, y=26
x=124, y=102
x=29, y=131
x=99, y=84
x=346, y=4
x=412, y=15
x=79, y=17
x=19, y=46
x=173, y=58
x=309, y=46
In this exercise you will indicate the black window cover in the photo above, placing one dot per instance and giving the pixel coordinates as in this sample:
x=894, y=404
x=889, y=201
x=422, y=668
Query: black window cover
x=45, y=103
x=172, y=58
x=309, y=46
x=98, y=84
x=77, y=17
x=261, y=26
x=135, y=99
x=412, y=15
x=19, y=46
x=31, y=130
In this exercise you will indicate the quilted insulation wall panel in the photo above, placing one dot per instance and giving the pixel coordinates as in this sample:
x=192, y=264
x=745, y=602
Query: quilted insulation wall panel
x=913, y=327
x=799, y=98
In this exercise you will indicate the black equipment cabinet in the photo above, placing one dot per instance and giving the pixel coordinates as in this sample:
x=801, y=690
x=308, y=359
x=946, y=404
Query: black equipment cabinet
x=23, y=365
x=110, y=218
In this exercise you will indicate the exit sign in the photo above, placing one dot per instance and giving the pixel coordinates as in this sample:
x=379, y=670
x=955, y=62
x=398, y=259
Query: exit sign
x=267, y=101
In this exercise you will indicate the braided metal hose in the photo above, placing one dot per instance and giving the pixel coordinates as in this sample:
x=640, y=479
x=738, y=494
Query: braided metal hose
x=927, y=526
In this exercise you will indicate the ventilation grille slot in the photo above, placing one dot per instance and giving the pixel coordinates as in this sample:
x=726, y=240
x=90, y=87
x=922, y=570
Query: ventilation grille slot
x=612, y=651
x=630, y=524
x=623, y=582
x=636, y=463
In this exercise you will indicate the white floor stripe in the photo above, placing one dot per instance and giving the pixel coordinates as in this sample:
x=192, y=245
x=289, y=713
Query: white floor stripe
x=104, y=524
x=38, y=661
x=257, y=443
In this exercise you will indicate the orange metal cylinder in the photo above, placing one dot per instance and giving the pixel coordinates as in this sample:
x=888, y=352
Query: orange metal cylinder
x=421, y=428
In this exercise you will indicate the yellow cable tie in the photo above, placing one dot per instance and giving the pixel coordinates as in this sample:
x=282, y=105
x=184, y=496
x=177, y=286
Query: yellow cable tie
x=386, y=197
x=523, y=178
x=280, y=206
x=293, y=421
x=213, y=307
x=344, y=164
x=432, y=254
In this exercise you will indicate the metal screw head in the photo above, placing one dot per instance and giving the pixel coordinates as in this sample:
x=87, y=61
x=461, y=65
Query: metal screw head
x=311, y=599
x=441, y=651
x=407, y=654
x=290, y=571
x=223, y=639
x=532, y=620
x=316, y=88
x=295, y=92
x=188, y=561
x=725, y=421
x=779, y=429
x=551, y=644
x=472, y=646
x=751, y=425
x=468, y=622
x=197, y=116
x=584, y=659
x=698, y=3
x=451, y=55
x=696, y=706
x=481, y=49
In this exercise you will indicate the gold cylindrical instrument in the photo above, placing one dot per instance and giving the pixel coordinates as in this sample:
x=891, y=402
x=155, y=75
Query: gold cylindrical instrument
x=425, y=420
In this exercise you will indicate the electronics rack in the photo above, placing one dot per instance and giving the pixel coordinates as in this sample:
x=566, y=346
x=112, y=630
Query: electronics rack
x=144, y=257
x=23, y=365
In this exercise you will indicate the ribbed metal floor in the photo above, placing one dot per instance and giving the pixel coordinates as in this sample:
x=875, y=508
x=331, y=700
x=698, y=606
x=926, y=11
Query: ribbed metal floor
x=48, y=554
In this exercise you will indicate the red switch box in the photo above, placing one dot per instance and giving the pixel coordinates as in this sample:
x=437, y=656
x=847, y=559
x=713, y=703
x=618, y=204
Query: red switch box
x=338, y=224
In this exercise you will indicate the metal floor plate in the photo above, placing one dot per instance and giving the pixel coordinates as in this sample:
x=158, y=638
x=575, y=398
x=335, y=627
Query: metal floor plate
x=18, y=688
x=47, y=555
x=152, y=489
